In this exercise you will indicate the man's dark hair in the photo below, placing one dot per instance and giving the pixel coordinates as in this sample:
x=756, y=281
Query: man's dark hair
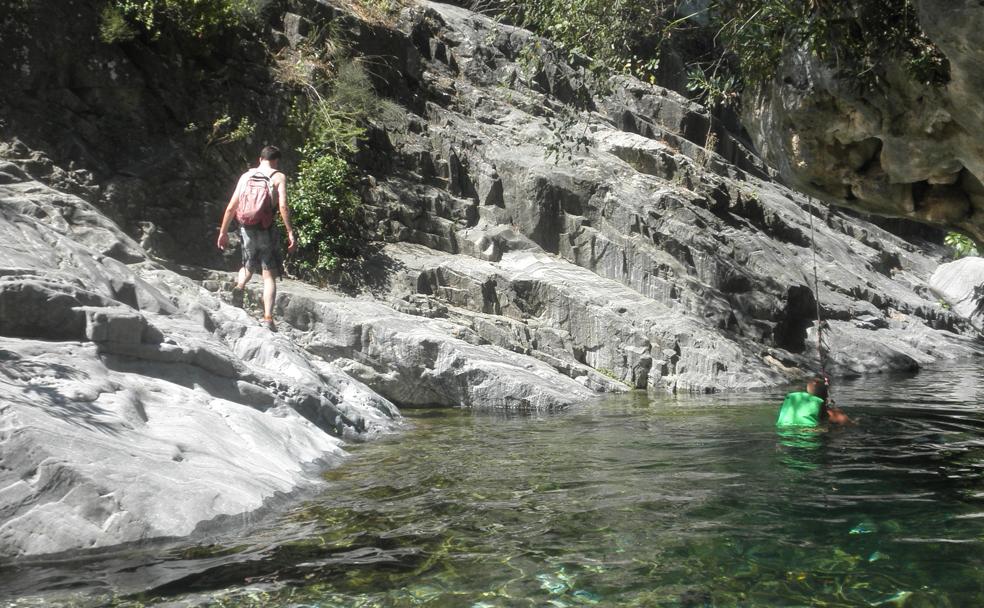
x=817, y=387
x=270, y=153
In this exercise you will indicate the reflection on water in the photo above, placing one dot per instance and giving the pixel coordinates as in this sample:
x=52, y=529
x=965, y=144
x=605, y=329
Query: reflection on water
x=676, y=502
x=800, y=446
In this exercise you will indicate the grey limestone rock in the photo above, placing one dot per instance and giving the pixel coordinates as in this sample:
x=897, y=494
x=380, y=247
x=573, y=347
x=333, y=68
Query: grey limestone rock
x=596, y=322
x=96, y=454
x=961, y=285
x=419, y=361
x=550, y=237
x=627, y=196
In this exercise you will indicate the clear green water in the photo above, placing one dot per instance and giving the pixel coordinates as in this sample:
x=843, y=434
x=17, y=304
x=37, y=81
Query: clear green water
x=676, y=502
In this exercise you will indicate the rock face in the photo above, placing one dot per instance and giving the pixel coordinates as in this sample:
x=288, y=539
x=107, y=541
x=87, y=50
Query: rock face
x=430, y=361
x=135, y=404
x=900, y=148
x=551, y=212
x=134, y=128
x=542, y=195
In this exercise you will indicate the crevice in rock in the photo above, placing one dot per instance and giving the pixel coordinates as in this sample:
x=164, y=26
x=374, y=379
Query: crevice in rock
x=796, y=317
x=873, y=156
x=887, y=262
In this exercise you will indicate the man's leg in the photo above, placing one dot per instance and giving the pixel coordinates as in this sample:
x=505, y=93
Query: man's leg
x=269, y=292
x=239, y=290
x=244, y=276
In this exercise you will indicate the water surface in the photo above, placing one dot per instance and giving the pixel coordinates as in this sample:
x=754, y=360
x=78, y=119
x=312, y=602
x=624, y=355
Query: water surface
x=689, y=501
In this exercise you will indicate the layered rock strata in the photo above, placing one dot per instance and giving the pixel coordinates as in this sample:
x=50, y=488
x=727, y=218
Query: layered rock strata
x=645, y=220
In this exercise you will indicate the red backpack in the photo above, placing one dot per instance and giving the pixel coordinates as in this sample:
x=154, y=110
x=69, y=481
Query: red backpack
x=256, y=201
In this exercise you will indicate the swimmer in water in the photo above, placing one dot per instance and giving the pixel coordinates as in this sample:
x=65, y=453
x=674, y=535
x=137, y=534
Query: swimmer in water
x=810, y=408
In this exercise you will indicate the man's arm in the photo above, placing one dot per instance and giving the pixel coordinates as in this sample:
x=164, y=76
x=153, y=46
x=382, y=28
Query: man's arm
x=837, y=416
x=230, y=212
x=833, y=414
x=280, y=182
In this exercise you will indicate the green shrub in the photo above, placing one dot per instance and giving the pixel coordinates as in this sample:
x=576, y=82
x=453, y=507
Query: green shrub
x=123, y=19
x=334, y=96
x=114, y=27
x=224, y=133
x=324, y=205
x=856, y=37
x=325, y=202
x=618, y=36
x=333, y=102
x=961, y=244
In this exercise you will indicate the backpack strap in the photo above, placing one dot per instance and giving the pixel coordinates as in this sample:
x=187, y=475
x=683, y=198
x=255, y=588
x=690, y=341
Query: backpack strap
x=274, y=203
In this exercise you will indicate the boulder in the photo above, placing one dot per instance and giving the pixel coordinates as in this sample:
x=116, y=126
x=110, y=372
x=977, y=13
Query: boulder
x=961, y=285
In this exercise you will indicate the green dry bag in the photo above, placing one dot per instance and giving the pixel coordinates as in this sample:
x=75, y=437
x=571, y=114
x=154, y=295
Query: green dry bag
x=800, y=409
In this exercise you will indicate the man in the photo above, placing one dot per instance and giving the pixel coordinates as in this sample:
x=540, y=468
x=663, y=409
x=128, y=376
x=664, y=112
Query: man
x=810, y=408
x=258, y=192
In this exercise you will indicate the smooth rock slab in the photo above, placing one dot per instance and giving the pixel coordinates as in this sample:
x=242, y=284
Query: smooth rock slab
x=961, y=285
x=94, y=457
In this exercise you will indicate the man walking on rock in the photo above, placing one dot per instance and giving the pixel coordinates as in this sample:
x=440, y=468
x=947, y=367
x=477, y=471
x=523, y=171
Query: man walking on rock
x=258, y=193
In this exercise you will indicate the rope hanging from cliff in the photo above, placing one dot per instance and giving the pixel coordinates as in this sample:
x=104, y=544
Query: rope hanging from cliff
x=821, y=345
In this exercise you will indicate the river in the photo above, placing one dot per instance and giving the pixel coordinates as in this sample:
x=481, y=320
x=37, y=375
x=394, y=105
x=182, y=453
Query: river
x=673, y=501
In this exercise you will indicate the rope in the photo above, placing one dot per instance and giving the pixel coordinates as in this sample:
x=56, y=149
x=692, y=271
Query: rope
x=821, y=347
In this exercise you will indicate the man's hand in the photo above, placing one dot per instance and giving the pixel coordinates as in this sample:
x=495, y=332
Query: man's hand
x=291, y=242
x=223, y=240
x=836, y=416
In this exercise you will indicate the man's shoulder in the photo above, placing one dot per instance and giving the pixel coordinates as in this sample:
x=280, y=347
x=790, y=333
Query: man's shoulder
x=275, y=175
x=797, y=395
x=801, y=397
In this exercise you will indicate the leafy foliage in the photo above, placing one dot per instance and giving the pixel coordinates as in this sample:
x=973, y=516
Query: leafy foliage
x=324, y=207
x=334, y=96
x=743, y=40
x=961, y=244
x=854, y=36
x=619, y=36
x=223, y=132
x=114, y=26
x=123, y=20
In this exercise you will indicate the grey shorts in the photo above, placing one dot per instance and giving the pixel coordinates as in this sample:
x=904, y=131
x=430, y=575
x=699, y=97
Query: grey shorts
x=261, y=249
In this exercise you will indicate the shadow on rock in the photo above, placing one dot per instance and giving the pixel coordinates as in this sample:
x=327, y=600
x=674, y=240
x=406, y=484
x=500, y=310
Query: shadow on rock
x=371, y=272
